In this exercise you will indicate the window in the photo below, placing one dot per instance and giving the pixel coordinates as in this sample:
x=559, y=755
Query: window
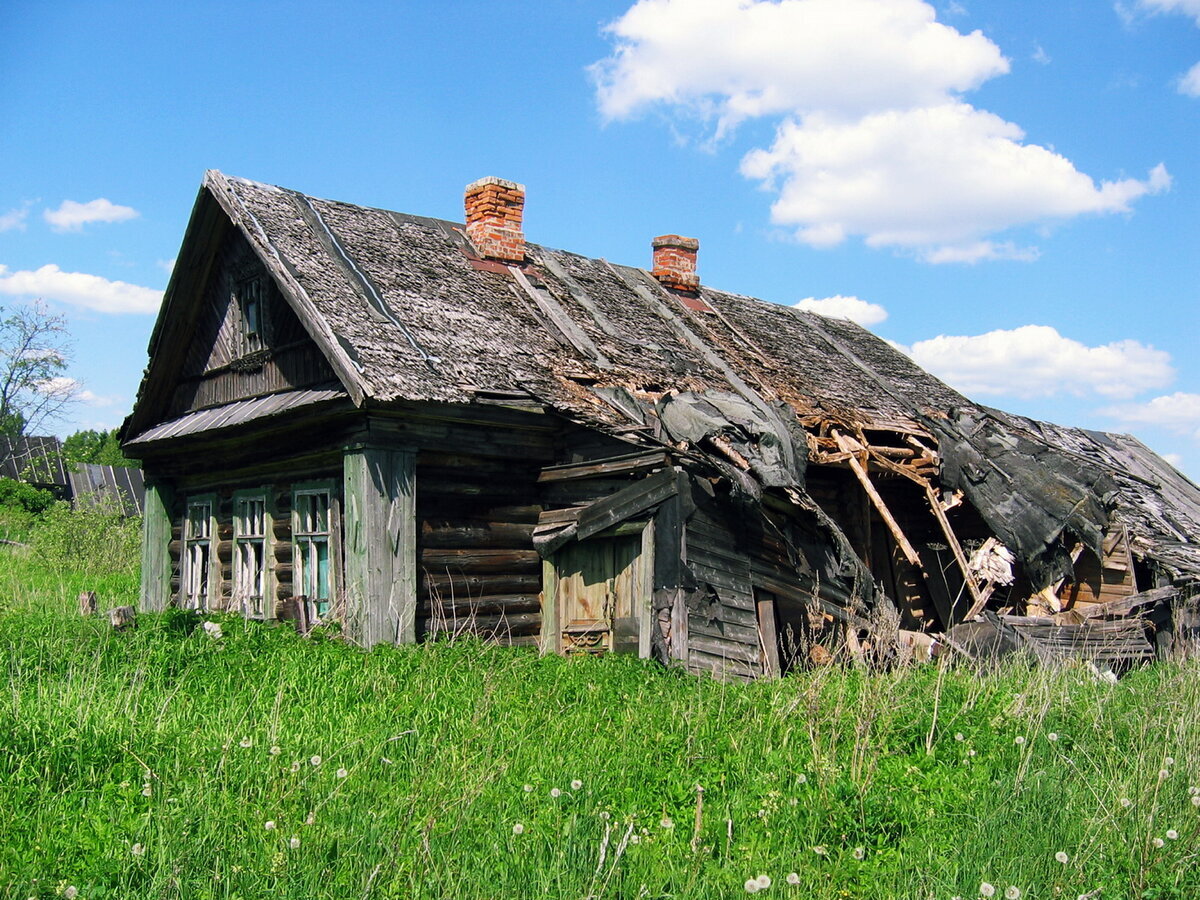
x=310, y=533
x=196, y=562
x=251, y=299
x=250, y=553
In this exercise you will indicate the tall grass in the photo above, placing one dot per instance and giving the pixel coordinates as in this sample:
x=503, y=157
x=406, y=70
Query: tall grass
x=165, y=762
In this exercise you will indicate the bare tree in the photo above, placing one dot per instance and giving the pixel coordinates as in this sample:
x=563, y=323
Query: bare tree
x=34, y=388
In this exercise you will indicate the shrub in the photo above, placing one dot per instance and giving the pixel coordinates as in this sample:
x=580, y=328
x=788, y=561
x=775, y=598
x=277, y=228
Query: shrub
x=25, y=497
x=91, y=539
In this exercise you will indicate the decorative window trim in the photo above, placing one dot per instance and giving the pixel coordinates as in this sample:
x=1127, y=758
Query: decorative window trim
x=252, y=295
x=198, y=572
x=306, y=553
x=253, y=548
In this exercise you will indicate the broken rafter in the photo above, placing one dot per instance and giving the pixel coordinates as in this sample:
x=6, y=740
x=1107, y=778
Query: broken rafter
x=935, y=503
x=852, y=447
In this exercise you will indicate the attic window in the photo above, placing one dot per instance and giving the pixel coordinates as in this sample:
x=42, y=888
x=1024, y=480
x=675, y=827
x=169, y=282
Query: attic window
x=252, y=297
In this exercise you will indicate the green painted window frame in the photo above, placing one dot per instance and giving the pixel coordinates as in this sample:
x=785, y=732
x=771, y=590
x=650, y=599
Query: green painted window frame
x=197, y=561
x=254, y=546
x=306, y=548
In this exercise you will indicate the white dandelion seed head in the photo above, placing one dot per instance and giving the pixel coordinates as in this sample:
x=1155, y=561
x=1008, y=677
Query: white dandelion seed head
x=1196, y=800
x=342, y=773
x=605, y=814
x=518, y=828
x=294, y=843
x=269, y=825
x=987, y=890
x=576, y=784
x=310, y=818
x=1172, y=834
x=1062, y=857
x=213, y=630
x=751, y=885
x=858, y=852
x=528, y=788
x=635, y=839
x=137, y=850
x=1163, y=774
x=1157, y=842
x=246, y=742
x=971, y=752
x=147, y=790
x=274, y=751
x=315, y=759
x=1126, y=802
x=801, y=778
x=764, y=882
x=71, y=892
x=1012, y=892
x=820, y=850
x=1193, y=791
x=1019, y=740
x=667, y=823
x=792, y=878
x=296, y=766
x=958, y=736
x=1052, y=736
x=1170, y=761
x=555, y=792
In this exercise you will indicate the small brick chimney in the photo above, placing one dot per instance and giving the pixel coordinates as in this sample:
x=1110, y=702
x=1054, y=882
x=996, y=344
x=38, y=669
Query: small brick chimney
x=675, y=261
x=494, y=211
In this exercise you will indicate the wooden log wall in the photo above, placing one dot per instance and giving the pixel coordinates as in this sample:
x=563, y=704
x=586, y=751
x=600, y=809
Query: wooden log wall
x=722, y=624
x=477, y=571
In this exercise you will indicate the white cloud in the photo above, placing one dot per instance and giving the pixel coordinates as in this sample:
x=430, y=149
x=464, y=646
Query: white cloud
x=1179, y=412
x=1040, y=56
x=1174, y=459
x=1190, y=83
x=935, y=180
x=14, y=219
x=839, y=307
x=80, y=289
x=167, y=265
x=72, y=216
x=873, y=139
x=1037, y=361
x=91, y=398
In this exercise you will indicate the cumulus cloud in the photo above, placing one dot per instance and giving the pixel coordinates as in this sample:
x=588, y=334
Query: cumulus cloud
x=872, y=138
x=14, y=219
x=79, y=289
x=1037, y=361
x=1179, y=412
x=1189, y=83
x=72, y=216
x=839, y=307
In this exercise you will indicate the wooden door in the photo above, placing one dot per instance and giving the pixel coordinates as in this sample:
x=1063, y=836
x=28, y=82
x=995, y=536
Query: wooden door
x=600, y=593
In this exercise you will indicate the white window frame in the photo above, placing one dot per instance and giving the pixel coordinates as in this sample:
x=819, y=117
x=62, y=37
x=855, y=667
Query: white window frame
x=197, y=562
x=306, y=540
x=252, y=553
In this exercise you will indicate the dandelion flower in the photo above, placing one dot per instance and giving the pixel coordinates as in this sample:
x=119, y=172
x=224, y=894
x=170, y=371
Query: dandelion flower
x=1062, y=857
x=295, y=767
x=971, y=752
x=792, y=878
x=635, y=839
x=213, y=630
x=1126, y=802
x=958, y=736
x=820, y=850
x=1052, y=736
x=987, y=890
x=858, y=852
x=294, y=842
x=147, y=790
x=576, y=784
x=275, y=751
x=245, y=742
x=1019, y=740
x=1012, y=892
x=1196, y=800
x=137, y=850
x=1163, y=774
x=751, y=885
x=342, y=773
x=269, y=825
x=528, y=789
x=555, y=792
x=1158, y=843
x=1193, y=791
x=605, y=815
x=764, y=882
x=71, y=892
x=518, y=828
x=801, y=778
x=1172, y=834
x=667, y=823
x=315, y=760
x=1170, y=760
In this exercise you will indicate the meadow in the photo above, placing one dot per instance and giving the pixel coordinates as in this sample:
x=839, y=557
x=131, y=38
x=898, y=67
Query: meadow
x=239, y=760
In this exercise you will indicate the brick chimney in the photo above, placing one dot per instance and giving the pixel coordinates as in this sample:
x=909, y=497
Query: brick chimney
x=494, y=211
x=675, y=261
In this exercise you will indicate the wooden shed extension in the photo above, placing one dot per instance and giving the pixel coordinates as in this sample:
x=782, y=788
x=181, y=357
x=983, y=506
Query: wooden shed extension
x=352, y=414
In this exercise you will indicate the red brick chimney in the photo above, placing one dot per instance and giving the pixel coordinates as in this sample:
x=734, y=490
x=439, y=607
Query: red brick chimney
x=494, y=211
x=675, y=261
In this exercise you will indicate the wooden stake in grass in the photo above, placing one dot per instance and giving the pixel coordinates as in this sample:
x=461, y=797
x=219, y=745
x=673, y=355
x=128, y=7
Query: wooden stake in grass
x=699, y=817
x=122, y=617
x=87, y=603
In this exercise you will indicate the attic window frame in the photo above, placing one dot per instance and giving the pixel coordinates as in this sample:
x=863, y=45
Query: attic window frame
x=252, y=293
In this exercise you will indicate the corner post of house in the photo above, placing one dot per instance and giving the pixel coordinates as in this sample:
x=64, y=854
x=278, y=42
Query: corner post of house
x=156, y=546
x=380, y=539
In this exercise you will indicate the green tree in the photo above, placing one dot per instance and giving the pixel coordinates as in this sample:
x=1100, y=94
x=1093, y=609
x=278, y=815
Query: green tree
x=98, y=447
x=34, y=387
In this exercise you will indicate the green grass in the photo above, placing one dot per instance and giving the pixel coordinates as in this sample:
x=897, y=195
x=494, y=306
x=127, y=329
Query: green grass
x=185, y=747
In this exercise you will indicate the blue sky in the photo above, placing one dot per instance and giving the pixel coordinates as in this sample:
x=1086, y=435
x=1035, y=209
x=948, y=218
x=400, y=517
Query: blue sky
x=1014, y=185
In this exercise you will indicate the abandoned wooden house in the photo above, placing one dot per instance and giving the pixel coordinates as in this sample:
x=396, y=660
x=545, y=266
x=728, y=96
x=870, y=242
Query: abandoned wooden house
x=416, y=427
